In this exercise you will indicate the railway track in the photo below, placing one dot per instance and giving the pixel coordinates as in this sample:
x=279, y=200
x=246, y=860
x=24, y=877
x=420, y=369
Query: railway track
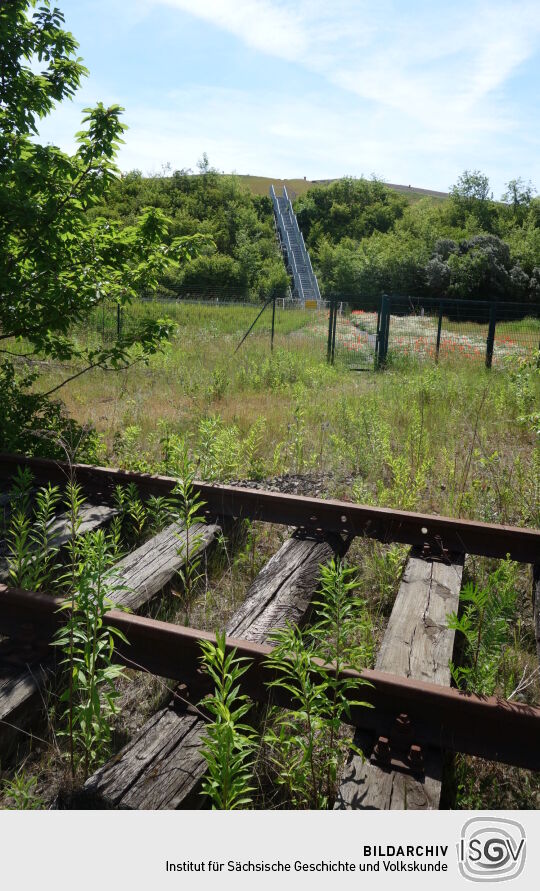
x=417, y=716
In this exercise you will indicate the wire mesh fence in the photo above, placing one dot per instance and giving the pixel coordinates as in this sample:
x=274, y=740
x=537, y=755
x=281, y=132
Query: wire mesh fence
x=290, y=321
x=366, y=334
x=357, y=334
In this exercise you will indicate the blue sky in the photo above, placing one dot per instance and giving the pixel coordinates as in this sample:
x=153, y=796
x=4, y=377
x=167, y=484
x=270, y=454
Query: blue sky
x=414, y=92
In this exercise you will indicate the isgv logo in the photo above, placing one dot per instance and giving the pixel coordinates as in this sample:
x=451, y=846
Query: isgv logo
x=491, y=849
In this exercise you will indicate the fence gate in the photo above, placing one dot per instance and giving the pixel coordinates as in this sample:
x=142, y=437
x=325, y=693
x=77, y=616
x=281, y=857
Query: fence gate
x=353, y=334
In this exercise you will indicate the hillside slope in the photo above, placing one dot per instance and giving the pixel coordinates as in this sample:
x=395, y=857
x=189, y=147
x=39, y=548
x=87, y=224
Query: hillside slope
x=260, y=185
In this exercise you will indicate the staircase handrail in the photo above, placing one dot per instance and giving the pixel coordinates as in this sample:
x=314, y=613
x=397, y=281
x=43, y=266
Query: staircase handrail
x=286, y=241
x=294, y=266
x=304, y=249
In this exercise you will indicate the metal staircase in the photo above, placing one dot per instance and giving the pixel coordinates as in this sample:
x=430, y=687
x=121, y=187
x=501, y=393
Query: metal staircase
x=297, y=260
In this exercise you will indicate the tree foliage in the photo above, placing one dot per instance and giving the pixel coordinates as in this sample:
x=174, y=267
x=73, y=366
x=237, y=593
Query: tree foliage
x=364, y=238
x=471, y=186
x=57, y=261
x=348, y=208
x=468, y=246
x=242, y=260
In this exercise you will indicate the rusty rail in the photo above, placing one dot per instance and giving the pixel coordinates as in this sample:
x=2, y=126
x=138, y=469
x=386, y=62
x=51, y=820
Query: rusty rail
x=437, y=535
x=439, y=716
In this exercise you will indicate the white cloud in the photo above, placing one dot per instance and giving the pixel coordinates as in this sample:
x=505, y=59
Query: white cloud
x=438, y=66
x=284, y=136
x=413, y=96
x=265, y=25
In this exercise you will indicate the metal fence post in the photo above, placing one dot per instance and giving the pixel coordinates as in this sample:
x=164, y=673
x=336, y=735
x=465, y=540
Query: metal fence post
x=384, y=331
x=387, y=330
x=330, y=330
x=273, y=324
x=490, y=342
x=118, y=321
x=334, y=331
x=378, y=339
x=439, y=327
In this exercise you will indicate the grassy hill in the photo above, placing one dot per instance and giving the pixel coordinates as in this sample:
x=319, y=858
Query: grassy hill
x=260, y=185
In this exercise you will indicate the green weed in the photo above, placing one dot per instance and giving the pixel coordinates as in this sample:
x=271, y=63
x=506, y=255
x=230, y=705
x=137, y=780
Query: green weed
x=88, y=650
x=306, y=745
x=32, y=552
x=487, y=631
x=22, y=793
x=228, y=743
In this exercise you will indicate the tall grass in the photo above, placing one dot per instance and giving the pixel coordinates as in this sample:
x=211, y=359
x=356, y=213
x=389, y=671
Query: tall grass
x=227, y=317
x=453, y=438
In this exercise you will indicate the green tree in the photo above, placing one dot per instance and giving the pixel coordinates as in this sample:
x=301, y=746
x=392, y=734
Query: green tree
x=518, y=197
x=472, y=185
x=518, y=193
x=348, y=208
x=57, y=261
x=471, y=196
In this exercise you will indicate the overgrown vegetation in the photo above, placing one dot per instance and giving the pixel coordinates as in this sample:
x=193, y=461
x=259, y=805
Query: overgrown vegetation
x=58, y=261
x=494, y=654
x=85, y=702
x=367, y=240
x=228, y=743
x=32, y=551
x=305, y=747
x=301, y=750
x=88, y=649
x=487, y=626
x=452, y=439
x=240, y=259
x=21, y=792
x=298, y=760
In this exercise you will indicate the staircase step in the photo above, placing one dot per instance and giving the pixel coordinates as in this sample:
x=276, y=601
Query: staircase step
x=294, y=249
